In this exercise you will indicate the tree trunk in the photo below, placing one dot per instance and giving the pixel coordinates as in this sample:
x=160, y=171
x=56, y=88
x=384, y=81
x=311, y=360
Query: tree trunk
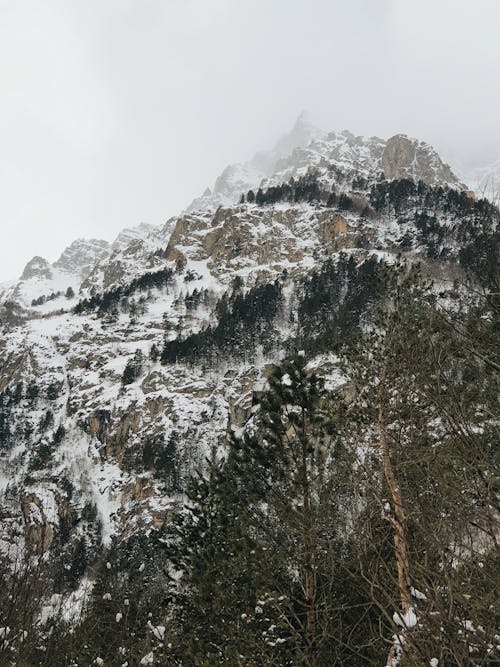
x=309, y=532
x=310, y=589
x=398, y=518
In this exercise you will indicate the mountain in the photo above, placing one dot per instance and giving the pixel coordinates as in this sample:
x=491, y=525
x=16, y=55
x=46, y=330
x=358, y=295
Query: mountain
x=114, y=396
x=128, y=235
x=306, y=146
x=240, y=177
x=42, y=282
x=169, y=281
x=79, y=257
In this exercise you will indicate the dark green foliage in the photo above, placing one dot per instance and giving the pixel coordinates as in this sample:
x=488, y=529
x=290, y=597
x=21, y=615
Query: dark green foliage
x=17, y=394
x=436, y=382
x=481, y=259
x=332, y=199
x=398, y=194
x=285, y=551
x=59, y=434
x=336, y=299
x=46, y=421
x=304, y=189
x=344, y=202
x=430, y=232
x=154, y=353
x=104, y=302
x=261, y=543
x=360, y=183
x=133, y=369
x=70, y=293
x=404, y=194
x=43, y=299
x=162, y=458
x=41, y=456
x=4, y=426
x=130, y=581
x=193, y=299
x=78, y=565
x=244, y=321
x=53, y=391
x=32, y=391
x=224, y=569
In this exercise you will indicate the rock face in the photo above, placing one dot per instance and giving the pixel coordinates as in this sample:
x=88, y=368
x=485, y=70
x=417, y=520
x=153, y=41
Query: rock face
x=38, y=531
x=131, y=234
x=38, y=267
x=408, y=158
x=80, y=257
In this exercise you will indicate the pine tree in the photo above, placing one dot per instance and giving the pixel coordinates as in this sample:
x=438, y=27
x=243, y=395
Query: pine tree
x=289, y=462
x=256, y=542
x=154, y=353
x=222, y=564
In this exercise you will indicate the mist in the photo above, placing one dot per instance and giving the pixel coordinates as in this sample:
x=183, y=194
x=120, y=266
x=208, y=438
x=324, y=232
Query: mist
x=118, y=112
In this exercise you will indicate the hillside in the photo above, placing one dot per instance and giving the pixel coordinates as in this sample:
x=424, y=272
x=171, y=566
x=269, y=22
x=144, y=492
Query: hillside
x=168, y=347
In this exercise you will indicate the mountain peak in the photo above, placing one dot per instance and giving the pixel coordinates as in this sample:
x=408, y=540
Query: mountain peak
x=302, y=133
x=304, y=120
x=37, y=267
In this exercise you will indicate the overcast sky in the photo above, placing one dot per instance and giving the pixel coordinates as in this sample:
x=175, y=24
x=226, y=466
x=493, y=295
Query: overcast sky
x=114, y=112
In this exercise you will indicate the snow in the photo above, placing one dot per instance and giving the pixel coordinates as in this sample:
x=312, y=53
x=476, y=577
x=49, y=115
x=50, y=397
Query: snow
x=68, y=607
x=407, y=620
x=418, y=595
x=158, y=631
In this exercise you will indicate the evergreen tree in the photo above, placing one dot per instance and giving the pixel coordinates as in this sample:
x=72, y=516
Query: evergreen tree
x=154, y=353
x=133, y=369
x=256, y=543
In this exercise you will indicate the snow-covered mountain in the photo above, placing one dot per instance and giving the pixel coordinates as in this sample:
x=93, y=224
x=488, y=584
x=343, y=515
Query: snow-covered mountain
x=303, y=148
x=217, y=291
x=43, y=282
x=240, y=177
x=307, y=146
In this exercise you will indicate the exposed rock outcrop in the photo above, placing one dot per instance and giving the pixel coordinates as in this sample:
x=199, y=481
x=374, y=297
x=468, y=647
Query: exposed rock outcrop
x=38, y=267
x=408, y=158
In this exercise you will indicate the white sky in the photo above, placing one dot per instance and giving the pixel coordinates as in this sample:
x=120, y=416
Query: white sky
x=114, y=112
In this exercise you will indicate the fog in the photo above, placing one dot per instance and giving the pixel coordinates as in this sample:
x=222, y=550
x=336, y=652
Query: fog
x=116, y=112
